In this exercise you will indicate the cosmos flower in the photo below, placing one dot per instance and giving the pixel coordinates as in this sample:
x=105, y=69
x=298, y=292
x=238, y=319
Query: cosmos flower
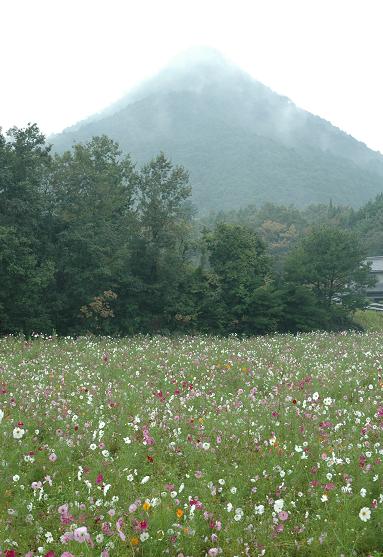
x=259, y=509
x=365, y=514
x=81, y=534
x=278, y=505
x=18, y=433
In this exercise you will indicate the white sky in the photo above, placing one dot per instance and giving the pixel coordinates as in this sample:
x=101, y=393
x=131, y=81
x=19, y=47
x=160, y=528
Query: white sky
x=62, y=60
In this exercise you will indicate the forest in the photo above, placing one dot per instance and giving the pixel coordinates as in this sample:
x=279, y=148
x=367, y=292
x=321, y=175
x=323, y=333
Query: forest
x=92, y=243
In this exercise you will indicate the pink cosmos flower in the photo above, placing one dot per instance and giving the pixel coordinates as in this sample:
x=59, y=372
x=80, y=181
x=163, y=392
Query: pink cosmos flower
x=67, y=537
x=81, y=534
x=119, y=525
x=106, y=529
x=283, y=515
x=67, y=554
x=147, y=437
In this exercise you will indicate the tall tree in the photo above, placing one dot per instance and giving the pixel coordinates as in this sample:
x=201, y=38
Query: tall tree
x=240, y=279
x=26, y=247
x=161, y=243
x=331, y=262
x=94, y=195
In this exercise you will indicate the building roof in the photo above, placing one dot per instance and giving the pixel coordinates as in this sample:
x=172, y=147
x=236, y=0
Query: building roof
x=376, y=263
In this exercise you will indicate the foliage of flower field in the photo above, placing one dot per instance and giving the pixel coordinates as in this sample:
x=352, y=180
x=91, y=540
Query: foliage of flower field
x=192, y=447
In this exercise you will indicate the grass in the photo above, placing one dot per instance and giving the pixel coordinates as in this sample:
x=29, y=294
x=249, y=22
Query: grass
x=192, y=447
x=369, y=320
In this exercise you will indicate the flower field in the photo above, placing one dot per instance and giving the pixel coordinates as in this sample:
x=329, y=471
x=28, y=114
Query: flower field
x=196, y=446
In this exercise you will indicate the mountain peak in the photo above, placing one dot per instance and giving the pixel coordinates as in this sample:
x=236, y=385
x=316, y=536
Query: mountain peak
x=241, y=142
x=199, y=56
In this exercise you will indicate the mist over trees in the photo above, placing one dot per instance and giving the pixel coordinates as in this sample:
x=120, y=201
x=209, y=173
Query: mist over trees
x=89, y=242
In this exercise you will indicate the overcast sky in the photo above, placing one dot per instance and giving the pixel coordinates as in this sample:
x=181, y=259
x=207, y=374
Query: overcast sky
x=62, y=60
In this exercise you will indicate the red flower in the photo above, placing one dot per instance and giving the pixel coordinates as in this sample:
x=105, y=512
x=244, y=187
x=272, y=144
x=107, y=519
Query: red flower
x=10, y=553
x=99, y=479
x=150, y=458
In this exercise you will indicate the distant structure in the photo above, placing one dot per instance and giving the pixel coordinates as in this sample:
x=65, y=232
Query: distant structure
x=375, y=293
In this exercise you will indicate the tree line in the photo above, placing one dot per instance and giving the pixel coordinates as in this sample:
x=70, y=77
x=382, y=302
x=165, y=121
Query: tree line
x=91, y=243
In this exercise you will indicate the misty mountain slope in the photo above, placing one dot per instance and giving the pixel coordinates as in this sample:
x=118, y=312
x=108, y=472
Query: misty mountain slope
x=241, y=142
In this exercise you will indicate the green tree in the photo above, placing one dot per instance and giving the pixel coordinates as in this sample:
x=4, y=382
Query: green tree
x=94, y=190
x=160, y=246
x=331, y=262
x=26, y=228
x=239, y=281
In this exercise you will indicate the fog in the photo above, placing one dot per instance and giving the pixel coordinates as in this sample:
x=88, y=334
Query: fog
x=64, y=61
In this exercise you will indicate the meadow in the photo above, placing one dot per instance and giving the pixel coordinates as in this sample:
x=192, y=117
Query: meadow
x=192, y=446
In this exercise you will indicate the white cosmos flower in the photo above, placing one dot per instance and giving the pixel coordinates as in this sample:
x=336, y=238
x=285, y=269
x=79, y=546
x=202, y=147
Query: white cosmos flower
x=363, y=492
x=145, y=479
x=18, y=433
x=278, y=505
x=1, y=415
x=259, y=509
x=365, y=514
x=315, y=396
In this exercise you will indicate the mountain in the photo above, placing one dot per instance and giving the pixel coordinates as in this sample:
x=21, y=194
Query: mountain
x=241, y=142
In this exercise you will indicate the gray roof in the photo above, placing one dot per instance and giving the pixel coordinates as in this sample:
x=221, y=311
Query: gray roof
x=376, y=263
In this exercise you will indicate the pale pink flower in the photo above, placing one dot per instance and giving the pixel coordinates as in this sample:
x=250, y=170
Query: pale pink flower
x=81, y=534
